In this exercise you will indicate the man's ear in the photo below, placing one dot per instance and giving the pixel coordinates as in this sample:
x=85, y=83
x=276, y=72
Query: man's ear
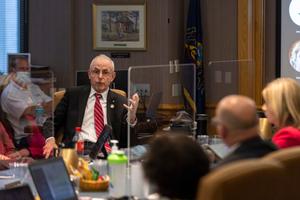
x=89, y=73
x=223, y=131
x=113, y=76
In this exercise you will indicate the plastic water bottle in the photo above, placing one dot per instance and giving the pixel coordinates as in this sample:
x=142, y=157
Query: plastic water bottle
x=79, y=141
x=117, y=162
x=39, y=115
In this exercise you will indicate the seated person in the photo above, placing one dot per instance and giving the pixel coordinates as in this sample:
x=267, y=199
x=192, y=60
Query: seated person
x=8, y=151
x=174, y=164
x=19, y=100
x=282, y=109
x=91, y=107
x=7, y=148
x=237, y=124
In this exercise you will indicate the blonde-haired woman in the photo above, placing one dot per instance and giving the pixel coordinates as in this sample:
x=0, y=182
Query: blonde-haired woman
x=282, y=109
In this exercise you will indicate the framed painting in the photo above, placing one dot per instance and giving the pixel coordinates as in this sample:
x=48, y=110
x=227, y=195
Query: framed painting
x=119, y=26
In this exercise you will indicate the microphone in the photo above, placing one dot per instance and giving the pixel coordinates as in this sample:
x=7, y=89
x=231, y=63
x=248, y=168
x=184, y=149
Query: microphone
x=99, y=145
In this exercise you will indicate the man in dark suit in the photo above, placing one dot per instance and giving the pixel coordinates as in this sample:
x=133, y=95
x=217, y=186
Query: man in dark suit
x=237, y=124
x=77, y=107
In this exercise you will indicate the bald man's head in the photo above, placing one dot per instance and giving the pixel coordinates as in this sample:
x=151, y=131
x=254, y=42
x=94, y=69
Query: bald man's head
x=236, y=119
x=237, y=112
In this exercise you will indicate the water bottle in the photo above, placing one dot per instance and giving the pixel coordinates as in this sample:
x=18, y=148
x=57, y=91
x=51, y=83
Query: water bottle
x=39, y=115
x=79, y=141
x=117, y=162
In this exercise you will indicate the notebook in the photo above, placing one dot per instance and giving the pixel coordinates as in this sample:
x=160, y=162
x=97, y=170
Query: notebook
x=51, y=180
x=22, y=192
x=220, y=150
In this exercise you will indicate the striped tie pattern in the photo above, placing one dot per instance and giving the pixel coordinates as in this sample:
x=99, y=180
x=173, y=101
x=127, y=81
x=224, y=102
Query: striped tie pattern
x=99, y=120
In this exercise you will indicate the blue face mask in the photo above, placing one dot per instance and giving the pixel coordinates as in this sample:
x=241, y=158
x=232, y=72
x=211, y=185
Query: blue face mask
x=23, y=77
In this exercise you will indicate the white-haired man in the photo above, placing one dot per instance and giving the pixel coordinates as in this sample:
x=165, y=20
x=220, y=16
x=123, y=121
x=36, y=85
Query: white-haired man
x=78, y=107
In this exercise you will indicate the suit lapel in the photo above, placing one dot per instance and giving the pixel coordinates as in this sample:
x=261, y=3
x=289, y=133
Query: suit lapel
x=110, y=107
x=82, y=101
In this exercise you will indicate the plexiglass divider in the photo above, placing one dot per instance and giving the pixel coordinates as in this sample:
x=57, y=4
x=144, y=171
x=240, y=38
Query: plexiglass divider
x=228, y=77
x=23, y=90
x=44, y=80
x=20, y=91
x=167, y=105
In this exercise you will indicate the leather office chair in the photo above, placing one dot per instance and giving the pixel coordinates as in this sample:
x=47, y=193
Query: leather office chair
x=290, y=159
x=120, y=92
x=57, y=97
x=244, y=180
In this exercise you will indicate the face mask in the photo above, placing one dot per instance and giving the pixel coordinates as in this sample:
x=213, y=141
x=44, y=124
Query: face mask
x=23, y=77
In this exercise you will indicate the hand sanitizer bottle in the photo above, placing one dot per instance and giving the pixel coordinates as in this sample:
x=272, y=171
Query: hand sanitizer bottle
x=117, y=162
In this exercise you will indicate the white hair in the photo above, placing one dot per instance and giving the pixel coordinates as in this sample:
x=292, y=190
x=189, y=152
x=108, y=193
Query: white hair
x=103, y=56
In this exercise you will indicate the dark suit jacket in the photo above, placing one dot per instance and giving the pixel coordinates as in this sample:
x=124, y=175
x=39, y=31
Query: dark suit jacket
x=69, y=113
x=251, y=148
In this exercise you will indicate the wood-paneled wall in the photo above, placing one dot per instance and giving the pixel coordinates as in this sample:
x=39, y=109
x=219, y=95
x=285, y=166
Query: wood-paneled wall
x=50, y=37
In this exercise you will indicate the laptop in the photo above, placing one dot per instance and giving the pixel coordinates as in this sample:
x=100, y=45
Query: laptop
x=51, y=180
x=22, y=192
x=153, y=105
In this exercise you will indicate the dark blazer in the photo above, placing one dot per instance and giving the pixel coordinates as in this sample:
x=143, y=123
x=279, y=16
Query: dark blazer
x=69, y=113
x=251, y=148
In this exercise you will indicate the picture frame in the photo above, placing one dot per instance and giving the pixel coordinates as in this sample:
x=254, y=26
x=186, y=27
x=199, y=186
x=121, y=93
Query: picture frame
x=119, y=25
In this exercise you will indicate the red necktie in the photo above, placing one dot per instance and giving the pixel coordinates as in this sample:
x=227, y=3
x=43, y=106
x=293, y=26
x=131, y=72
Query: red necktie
x=99, y=119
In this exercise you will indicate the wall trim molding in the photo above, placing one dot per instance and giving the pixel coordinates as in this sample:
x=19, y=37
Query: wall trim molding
x=251, y=21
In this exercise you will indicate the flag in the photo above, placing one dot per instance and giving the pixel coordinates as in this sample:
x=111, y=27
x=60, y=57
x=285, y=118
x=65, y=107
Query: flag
x=194, y=50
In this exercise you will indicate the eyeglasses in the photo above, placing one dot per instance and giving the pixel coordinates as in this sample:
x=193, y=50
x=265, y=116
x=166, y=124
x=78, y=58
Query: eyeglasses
x=97, y=72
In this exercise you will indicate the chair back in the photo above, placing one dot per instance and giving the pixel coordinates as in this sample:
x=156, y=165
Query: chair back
x=120, y=92
x=247, y=180
x=290, y=159
x=58, y=96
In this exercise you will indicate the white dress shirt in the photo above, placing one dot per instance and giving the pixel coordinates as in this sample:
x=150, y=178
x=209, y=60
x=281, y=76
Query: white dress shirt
x=88, y=124
x=14, y=101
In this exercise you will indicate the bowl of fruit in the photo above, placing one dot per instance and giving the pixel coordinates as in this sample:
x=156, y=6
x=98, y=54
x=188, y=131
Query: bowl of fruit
x=101, y=184
x=90, y=178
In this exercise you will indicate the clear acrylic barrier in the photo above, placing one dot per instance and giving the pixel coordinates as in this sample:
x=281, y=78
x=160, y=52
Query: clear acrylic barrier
x=226, y=77
x=167, y=104
x=45, y=81
x=26, y=103
x=18, y=94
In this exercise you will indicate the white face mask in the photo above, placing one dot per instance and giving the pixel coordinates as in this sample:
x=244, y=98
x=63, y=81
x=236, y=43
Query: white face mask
x=23, y=78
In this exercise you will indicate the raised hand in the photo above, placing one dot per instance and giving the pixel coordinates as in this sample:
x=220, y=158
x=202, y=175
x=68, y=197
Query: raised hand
x=132, y=107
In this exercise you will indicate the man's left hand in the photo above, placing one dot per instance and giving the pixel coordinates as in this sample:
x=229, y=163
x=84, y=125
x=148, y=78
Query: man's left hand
x=132, y=107
x=49, y=146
